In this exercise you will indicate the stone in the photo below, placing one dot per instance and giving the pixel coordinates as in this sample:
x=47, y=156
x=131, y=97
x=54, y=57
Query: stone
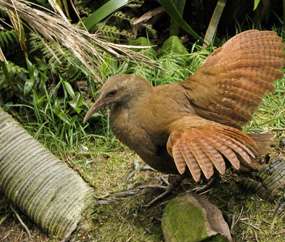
x=190, y=218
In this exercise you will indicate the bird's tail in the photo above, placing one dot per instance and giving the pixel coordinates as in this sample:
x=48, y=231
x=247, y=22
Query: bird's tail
x=264, y=142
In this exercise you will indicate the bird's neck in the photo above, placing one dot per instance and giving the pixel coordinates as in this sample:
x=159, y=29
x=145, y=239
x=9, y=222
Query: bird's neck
x=124, y=115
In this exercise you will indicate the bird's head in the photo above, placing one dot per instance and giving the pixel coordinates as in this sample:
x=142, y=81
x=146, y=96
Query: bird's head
x=118, y=90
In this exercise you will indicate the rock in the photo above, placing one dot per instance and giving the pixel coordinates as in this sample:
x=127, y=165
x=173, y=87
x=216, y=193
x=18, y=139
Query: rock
x=190, y=218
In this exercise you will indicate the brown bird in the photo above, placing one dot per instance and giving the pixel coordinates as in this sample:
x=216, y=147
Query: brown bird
x=196, y=124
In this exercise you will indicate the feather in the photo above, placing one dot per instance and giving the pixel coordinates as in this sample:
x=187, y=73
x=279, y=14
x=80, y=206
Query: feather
x=191, y=162
x=225, y=151
x=214, y=156
x=178, y=159
x=203, y=161
x=230, y=85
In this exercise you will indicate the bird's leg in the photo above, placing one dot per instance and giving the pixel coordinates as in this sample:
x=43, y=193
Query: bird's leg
x=172, y=183
x=182, y=181
x=112, y=197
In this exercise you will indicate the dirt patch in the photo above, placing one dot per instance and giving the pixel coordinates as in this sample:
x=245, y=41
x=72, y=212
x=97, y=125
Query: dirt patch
x=11, y=229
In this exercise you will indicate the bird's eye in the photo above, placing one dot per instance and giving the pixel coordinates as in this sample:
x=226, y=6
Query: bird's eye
x=111, y=93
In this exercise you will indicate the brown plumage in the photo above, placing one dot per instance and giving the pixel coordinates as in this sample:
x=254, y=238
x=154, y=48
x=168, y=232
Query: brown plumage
x=195, y=125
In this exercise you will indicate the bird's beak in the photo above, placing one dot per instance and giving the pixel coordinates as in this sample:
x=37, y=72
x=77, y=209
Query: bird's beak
x=95, y=107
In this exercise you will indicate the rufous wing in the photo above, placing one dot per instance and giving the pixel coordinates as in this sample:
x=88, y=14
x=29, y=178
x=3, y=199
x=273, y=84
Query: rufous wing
x=229, y=86
x=201, y=146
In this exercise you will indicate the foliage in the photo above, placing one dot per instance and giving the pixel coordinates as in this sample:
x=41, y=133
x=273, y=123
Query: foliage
x=103, y=12
x=48, y=78
x=114, y=30
x=8, y=39
x=256, y=3
x=51, y=85
x=48, y=83
x=60, y=61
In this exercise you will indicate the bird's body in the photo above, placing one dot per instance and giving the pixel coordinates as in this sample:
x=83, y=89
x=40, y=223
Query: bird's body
x=148, y=137
x=195, y=125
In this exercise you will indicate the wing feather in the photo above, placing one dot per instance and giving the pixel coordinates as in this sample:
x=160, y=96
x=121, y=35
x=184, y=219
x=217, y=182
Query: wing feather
x=226, y=151
x=202, y=145
x=203, y=161
x=237, y=147
x=191, y=162
x=215, y=157
x=231, y=83
x=178, y=159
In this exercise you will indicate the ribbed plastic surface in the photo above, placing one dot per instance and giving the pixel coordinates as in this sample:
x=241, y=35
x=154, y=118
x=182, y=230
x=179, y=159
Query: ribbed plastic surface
x=269, y=182
x=273, y=175
x=42, y=186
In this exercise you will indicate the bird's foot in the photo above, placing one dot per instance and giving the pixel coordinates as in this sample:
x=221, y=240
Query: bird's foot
x=168, y=191
x=171, y=184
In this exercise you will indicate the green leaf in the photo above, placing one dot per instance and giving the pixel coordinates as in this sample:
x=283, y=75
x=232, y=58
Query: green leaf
x=103, y=12
x=173, y=45
x=60, y=113
x=173, y=11
x=256, y=3
x=68, y=88
x=77, y=103
x=214, y=22
x=108, y=66
x=28, y=87
x=33, y=76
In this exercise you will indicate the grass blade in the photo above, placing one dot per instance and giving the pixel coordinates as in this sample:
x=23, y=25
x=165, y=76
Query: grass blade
x=173, y=12
x=103, y=12
x=256, y=3
x=214, y=22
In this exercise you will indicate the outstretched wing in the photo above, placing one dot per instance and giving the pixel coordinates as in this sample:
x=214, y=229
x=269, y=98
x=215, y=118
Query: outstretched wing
x=202, y=146
x=231, y=83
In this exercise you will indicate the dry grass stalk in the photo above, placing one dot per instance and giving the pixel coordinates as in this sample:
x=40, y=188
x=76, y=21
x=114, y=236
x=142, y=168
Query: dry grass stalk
x=87, y=47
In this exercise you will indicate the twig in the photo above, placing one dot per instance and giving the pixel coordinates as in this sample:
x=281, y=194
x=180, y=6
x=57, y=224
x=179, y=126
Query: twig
x=148, y=15
x=234, y=222
x=5, y=236
x=277, y=129
x=21, y=222
x=255, y=236
x=251, y=225
x=113, y=197
x=279, y=207
x=164, y=180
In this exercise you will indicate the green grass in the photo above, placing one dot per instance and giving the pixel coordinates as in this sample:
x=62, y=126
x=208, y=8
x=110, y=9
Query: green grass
x=271, y=114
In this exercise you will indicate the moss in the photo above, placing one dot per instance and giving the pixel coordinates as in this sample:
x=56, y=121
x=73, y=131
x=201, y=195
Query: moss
x=183, y=221
x=216, y=238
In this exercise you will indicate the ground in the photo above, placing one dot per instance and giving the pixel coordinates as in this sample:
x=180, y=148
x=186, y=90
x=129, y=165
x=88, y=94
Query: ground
x=124, y=219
